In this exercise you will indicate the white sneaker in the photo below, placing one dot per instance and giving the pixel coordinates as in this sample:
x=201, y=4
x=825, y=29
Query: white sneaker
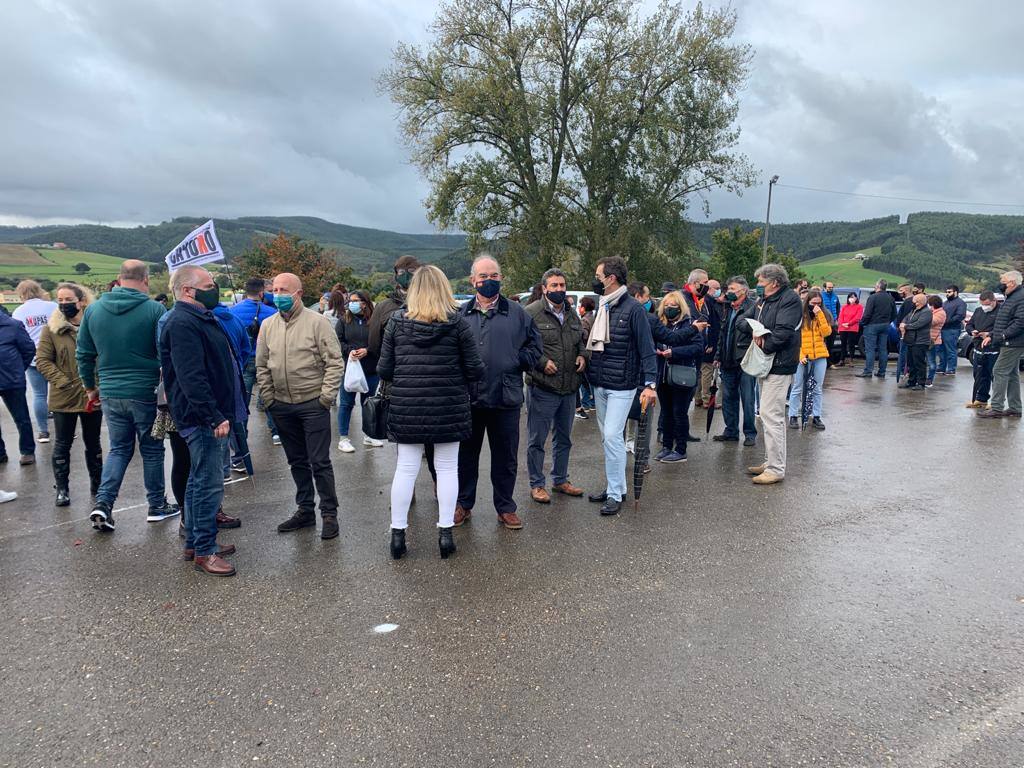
x=275, y=439
x=6, y=496
x=630, y=446
x=369, y=442
x=345, y=446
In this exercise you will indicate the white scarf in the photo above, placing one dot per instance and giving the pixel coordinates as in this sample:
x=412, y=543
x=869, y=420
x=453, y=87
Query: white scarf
x=600, y=333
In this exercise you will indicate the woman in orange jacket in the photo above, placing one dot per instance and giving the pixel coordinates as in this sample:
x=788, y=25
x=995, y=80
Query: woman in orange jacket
x=814, y=333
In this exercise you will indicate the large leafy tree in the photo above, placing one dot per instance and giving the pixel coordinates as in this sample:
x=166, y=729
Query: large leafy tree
x=735, y=252
x=573, y=129
x=316, y=267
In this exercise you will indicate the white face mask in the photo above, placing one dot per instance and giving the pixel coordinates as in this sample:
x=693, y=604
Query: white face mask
x=987, y=307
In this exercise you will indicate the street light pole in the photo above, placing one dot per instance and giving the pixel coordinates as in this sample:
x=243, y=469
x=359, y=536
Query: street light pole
x=767, y=218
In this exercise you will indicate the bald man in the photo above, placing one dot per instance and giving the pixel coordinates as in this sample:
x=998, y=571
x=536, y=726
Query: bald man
x=299, y=367
x=117, y=347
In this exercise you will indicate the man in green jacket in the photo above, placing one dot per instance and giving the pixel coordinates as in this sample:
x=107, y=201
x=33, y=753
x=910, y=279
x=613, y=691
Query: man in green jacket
x=553, y=384
x=117, y=348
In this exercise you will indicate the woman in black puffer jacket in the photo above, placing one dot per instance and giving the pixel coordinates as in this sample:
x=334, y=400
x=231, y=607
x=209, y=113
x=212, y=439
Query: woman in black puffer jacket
x=430, y=361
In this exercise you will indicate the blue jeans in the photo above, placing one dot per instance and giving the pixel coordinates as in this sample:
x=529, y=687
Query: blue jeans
x=950, y=337
x=586, y=394
x=39, y=407
x=547, y=408
x=15, y=401
x=347, y=401
x=126, y=421
x=737, y=390
x=249, y=380
x=936, y=360
x=205, y=490
x=612, y=411
x=818, y=368
x=903, y=361
x=876, y=346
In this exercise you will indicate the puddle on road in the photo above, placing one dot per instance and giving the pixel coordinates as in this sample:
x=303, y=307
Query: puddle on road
x=383, y=629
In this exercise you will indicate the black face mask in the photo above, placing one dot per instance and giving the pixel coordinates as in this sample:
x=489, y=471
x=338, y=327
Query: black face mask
x=731, y=297
x=489, y=288
x=209, y=298
x=702, y=290
x=598, y=286
x=671, y=312
x=403, y=280
x=69, y=310
x=556, y=297
x=1002, y=288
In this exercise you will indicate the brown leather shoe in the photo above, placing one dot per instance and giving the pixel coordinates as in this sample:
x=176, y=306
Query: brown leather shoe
x=510, y=520
x=227, y=521
x=568, y=489
x=214, y=565
x=540, y=495
x=27, y=459
x=462, y=515
x=991, y=413
x=225, y=549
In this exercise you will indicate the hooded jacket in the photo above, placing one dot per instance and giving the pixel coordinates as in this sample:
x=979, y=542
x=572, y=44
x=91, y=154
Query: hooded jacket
x=55, y=359
x=432, y=368
x=16, y=353
x=782, y=314
x=117, y=345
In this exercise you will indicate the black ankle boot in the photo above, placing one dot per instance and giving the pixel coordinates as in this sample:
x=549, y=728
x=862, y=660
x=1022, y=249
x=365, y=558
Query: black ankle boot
x=397, y=543
x=63, y=497
x=445, y=542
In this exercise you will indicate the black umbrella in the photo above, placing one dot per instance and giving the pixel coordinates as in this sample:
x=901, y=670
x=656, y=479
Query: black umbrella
x=642, y=455
x=712, y=402
x=241, y=440
x=806, y=403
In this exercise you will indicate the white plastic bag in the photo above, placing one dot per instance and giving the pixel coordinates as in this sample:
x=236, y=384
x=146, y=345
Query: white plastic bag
x=756, y=362
x=355, y=379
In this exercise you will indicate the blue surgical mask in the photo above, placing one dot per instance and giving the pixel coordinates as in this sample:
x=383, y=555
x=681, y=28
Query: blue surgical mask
x=355, y=307
x=284, y=301
x=760, y=290
x=648, y=304
x=716, y=293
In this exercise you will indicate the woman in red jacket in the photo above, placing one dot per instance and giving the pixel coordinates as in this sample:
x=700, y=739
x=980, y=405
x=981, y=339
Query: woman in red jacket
x=849, y=327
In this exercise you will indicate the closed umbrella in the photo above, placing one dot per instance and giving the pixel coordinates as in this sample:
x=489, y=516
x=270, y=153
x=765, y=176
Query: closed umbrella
x=642, y=455
x=712, y=402
x=807, y=403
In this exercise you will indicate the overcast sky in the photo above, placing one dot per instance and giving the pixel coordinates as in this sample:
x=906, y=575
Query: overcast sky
x=127, y=111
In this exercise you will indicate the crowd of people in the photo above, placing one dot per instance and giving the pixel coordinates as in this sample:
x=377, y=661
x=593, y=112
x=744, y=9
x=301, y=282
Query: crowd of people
x=451, y=375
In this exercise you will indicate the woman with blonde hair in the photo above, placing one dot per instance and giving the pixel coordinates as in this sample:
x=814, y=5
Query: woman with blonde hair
x=429, y=362
x=34, y=312
x=55, y=358
x=679, y=364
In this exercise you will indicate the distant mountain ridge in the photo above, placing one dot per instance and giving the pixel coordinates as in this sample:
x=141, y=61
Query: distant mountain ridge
x=934, y=247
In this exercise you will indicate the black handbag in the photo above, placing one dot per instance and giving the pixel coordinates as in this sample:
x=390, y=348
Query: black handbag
x=681, y=375
x=375, y=414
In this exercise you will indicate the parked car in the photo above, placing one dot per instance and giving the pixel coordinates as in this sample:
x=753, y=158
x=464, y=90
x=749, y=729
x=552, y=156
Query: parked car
x=894, y=333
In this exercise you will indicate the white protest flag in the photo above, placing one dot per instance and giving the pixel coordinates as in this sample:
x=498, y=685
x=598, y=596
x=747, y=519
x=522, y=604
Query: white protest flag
x=198, y=247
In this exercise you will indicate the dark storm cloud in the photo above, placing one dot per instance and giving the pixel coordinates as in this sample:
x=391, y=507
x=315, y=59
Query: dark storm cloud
x=128, y=111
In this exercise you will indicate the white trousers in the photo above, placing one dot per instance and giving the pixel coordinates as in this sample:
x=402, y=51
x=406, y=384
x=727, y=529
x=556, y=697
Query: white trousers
x=774, y=392
x=446, y=463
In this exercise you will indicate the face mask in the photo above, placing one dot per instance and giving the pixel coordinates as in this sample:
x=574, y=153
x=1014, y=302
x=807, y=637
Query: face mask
x=69, y=310
x=716, y=293
x=403, y=280
x=209, y=298
x=851, y=301
x=760, y=290
x=702, y=290
x=598, y=286
x=355, y=307
x=489, y=288
x=556, y=297
x=1003, y=287
x=648, y=304
x=731, y=297
x=984, y=307
x=284, y=301
x=671, y=312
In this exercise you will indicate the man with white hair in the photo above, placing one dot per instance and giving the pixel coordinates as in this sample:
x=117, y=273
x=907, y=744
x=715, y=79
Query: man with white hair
x=117, y=348
x=204, y=388
x=697, y=293
x=1008, y=337
x=299, y=367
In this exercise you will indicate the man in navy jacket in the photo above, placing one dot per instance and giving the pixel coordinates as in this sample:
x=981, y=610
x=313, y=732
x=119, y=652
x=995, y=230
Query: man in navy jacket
x=509, y=344
x=205, y=395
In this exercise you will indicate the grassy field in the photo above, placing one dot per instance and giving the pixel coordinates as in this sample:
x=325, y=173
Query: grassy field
x=16, y=262
x=844, y=270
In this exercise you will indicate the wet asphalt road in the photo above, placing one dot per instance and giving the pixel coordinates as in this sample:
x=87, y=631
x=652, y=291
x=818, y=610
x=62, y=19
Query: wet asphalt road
x=868, y=611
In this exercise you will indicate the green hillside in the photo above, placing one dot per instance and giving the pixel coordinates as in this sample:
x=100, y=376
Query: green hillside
x=57, y=265
x=844, y=269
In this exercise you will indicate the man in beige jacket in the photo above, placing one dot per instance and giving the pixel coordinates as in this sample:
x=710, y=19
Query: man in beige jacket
x=299, y=368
